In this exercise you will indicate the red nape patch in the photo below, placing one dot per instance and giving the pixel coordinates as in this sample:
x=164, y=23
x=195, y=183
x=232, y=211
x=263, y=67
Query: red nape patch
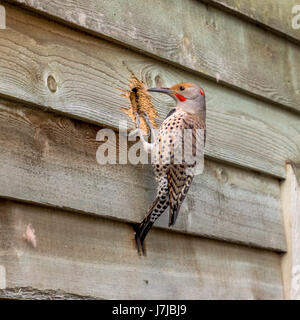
x=180, y=97
x=202, y=92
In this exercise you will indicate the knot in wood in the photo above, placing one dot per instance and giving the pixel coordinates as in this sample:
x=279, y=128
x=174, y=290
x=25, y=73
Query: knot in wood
x=52, y=84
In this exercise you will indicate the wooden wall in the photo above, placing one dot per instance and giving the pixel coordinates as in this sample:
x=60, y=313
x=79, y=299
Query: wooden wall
x=62, y=64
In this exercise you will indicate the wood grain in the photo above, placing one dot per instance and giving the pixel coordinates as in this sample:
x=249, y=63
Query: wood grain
x=51, y=160
x=30, y=293
x=275, y=15
x=90, y=256
x=296, y=168
x=204, y=39
x=290, y=197
x=39, y=57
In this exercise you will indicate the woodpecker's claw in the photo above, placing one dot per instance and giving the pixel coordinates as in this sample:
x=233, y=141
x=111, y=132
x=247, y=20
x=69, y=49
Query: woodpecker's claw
x=133, y=132
x=138, y=120
x=146, y=145
x=138, y=129
x=149, y=124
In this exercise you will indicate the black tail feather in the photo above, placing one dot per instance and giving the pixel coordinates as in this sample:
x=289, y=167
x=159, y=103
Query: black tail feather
x=141, y=231
x=173, y=214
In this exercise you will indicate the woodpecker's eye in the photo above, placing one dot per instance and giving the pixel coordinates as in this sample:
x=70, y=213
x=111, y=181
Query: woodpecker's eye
x=181, y=88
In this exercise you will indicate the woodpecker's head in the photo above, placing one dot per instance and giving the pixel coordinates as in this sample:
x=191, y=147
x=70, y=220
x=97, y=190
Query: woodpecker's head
x=188, y=96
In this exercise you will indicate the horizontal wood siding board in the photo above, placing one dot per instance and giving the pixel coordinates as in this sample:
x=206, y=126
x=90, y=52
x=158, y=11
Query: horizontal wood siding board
x=275, y=15
x=51, y=160
x=194, y=36
x=89, y=256
x=30, y=293
x=88, y=73
x=290, y=199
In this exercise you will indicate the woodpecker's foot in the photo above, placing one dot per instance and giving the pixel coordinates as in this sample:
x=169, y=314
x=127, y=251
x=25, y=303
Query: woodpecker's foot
x=149, y=124
x=138, y=121
x=136, y=131
x=146, y=118
x=139, y=242
x=146, y=145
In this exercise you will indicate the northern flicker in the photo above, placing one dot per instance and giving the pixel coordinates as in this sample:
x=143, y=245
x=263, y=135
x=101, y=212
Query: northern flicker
x=174, y=175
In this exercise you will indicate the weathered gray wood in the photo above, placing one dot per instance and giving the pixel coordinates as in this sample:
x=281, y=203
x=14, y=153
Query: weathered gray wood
x=291, y=260
x=296, y=168
x=88, y=73
x=51, y=160
x=194, y=36
x=275, y=15
x=29, y=293
x=89, y=256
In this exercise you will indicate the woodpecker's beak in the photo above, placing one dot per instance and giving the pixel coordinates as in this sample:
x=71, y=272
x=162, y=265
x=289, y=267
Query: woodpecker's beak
x=161, y=90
